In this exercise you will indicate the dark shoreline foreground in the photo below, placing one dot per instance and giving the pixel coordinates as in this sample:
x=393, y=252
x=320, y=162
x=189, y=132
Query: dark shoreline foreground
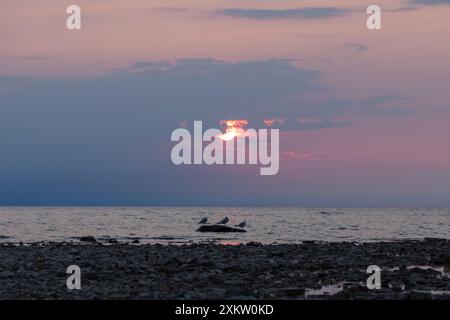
x=210, y=271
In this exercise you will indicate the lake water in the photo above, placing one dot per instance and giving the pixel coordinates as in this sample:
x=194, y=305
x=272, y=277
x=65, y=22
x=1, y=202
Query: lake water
x=178, y=225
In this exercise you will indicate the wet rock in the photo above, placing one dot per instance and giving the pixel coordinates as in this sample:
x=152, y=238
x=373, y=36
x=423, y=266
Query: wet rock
x=254, y=244
x=447, y=258
x=6, y=274
x=434, y=240
x=219, y=228
x=292, y=292
x=88, y=239
x=344, y=295
x=420, y=295
x=397, y=288
x=237, y=292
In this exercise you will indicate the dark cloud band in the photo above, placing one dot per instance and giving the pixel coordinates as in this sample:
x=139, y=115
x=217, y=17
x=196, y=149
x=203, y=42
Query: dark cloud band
x=295, y=13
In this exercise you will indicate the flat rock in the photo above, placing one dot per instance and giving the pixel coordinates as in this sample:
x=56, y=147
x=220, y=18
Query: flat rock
x=88, y=239
x=218, y=228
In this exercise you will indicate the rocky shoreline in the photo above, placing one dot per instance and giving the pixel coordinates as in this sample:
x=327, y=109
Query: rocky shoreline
x=313, y=270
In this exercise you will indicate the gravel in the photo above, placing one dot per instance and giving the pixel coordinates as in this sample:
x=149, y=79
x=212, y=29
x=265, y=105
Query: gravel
x=312, y=270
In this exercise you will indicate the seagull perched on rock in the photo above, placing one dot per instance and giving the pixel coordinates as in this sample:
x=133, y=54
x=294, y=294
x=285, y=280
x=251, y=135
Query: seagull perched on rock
x=203, y=221
x=223, y=221
x=242, y=224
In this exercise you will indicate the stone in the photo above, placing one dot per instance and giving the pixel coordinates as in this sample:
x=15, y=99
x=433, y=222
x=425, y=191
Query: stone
x=218, y=228
x=88, y=239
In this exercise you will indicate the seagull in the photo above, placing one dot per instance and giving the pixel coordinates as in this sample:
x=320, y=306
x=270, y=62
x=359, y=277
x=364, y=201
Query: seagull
x=242, y=224
x=203, y=221
x=224, y=221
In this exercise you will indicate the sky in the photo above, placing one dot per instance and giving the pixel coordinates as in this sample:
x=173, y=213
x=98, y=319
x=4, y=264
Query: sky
x=86, y=115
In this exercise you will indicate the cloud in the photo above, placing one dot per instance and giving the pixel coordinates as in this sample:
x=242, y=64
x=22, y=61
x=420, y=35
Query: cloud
x=407, y=8
x=104, y=140
x=27, y=58
x=358, y=47
x=304, y=124
x=430, y=2
x=188, y=90
x=173, y=9
x=394, y=112
x=37, y=58
x=295, y=13
x=374, y=101
x=327, y=156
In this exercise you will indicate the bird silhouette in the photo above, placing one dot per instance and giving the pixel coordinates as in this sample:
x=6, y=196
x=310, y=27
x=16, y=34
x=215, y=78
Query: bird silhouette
x=242, y=224
x=223, y=221
x=203, y=221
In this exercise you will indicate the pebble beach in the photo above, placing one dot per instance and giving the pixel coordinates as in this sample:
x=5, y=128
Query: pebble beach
x=411, y=269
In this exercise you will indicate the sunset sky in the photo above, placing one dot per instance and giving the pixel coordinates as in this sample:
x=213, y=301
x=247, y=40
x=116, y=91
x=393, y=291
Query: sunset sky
x=86, y=115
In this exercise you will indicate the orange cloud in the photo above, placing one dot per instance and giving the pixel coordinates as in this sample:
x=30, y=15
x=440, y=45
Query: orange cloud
x=271, y=122
x=234, y=123
x=233, y=128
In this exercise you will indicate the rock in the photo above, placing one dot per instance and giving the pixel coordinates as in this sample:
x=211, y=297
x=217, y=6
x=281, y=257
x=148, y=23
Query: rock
x=113, y=241
x=91, y=275
x=397, y=288
x=254, y=244
x=211, y=271
x=6, y=274
x=420, y=295
x=88, y=239
x=447, y=258
x=135, y=241
x=238, y=292
x=435, y=240
x=292, y=292
x=218, y=228
x=232, y=269
x=342, y=295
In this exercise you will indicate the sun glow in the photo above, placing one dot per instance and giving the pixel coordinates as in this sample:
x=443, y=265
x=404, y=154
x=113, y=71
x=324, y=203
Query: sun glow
x=234, y=128
x=230, y=134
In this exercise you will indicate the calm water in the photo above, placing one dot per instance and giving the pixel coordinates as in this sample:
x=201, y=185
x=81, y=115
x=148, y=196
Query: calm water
x=177, y=225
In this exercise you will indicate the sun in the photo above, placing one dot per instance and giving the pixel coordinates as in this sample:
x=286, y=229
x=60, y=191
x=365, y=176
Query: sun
x=234, y=128
x=230, y=134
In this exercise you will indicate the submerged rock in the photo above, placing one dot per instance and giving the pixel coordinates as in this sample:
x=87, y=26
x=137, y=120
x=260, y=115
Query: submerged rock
x=219, y=228
x=88, y=239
